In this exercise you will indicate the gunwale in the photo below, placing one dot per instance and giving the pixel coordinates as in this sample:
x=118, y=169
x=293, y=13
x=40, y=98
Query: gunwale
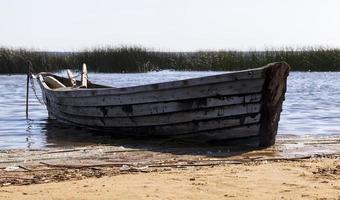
x=107, y=90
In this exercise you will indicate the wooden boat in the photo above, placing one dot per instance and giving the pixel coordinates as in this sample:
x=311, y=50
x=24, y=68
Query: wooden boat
x=234, y=105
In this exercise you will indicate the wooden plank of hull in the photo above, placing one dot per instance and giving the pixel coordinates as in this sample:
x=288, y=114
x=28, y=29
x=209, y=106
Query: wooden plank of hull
x=232, y=133
x=228, y=77
x=216, y=89
x=161, y=119
x=156, y=108
x=186, y=128
x=200, y=126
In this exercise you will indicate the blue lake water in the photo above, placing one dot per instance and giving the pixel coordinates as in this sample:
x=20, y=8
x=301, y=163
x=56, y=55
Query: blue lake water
x=312, y=107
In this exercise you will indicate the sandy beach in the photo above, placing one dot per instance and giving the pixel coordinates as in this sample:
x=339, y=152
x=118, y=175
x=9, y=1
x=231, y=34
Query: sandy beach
x=292, y=169
x=308, y=179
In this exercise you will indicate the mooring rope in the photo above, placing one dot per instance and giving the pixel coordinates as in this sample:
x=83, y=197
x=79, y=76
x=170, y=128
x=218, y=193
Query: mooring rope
x=32, y=78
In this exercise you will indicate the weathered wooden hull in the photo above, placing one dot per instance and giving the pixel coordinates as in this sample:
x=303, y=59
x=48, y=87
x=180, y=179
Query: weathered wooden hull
x=227, y=106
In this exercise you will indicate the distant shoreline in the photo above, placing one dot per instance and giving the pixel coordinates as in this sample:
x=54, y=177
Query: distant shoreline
x=136, y=59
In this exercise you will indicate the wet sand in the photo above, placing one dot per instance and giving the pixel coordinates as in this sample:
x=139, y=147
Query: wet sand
x=295, y=168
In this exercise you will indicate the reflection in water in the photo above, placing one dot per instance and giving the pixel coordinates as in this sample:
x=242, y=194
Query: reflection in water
x=29, y=133
x=312, y=107
x=58, y=134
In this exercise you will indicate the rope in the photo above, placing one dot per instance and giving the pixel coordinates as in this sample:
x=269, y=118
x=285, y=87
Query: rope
x=31, y=73
x=34, y=90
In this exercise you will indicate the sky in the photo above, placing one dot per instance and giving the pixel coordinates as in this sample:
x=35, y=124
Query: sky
x=169, y=25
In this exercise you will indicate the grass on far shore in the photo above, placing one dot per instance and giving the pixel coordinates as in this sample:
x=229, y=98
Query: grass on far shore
x=137, y=59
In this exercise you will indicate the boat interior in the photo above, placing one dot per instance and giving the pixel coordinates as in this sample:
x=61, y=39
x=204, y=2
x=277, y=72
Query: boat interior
x=55, y=82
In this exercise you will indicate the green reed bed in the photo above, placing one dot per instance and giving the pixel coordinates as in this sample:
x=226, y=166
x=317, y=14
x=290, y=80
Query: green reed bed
x=135, y=59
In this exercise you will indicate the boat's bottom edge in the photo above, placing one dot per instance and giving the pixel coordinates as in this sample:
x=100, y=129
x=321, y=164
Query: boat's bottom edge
x=239, y=135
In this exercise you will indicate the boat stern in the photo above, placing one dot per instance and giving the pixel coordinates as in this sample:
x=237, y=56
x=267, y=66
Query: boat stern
x=273, y=95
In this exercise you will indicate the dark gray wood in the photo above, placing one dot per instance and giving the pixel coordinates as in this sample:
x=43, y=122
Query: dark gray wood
x=233, y=133
x=216, y=89
x=273, y=92
x=160, y=119
x=202, y=126
x=185, y=129
x=156, y=108
x=242, y=104
x=227, y=77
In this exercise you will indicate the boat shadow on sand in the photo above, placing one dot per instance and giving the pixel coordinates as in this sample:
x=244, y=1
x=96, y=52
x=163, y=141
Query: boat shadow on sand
x=61, y=135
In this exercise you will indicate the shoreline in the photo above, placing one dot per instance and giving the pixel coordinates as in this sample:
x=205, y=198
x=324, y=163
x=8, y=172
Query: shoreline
x=290, y=169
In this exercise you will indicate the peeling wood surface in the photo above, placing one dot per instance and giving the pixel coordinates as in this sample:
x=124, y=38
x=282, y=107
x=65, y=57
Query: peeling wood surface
x=220, y=107
x=157, y=108
x=274, y=90
x=227, y=77
x=243, y=87
x=162, y=119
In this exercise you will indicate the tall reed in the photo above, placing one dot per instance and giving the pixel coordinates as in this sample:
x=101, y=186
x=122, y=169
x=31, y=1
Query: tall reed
x=136, y=59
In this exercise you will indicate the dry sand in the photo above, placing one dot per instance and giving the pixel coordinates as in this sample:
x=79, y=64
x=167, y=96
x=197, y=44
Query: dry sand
x=292, y=169
x=307, y=179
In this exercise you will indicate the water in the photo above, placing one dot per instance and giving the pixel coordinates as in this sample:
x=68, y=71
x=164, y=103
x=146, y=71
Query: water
x=312, y=107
